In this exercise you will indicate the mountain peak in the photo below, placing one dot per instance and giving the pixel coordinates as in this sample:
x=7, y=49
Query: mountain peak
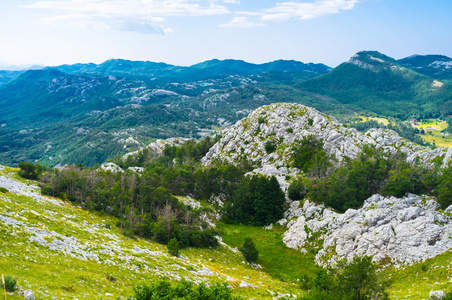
x=372, y=60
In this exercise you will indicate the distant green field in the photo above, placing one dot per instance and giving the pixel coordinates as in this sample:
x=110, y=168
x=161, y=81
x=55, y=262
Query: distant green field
x=434, y=135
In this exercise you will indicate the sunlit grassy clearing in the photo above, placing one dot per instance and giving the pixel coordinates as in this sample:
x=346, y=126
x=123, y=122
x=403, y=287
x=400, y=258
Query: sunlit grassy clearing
x=379, y=120
x=282, y=263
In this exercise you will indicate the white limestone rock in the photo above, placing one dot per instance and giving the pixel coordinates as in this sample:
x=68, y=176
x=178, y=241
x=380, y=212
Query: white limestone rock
x=436, y=295
x=28, y=294
x=408, y=229
x=156, y=148
x=112, y=167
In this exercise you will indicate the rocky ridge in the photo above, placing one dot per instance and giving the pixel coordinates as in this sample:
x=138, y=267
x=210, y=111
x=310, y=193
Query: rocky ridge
x=282, y=124
x=156, y=149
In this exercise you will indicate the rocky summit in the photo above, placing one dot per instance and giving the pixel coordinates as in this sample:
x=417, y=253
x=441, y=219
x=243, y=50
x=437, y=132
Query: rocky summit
x=282, y=124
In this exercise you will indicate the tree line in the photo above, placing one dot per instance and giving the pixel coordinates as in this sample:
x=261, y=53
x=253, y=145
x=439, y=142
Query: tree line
x=146, y=204
x=349, y=183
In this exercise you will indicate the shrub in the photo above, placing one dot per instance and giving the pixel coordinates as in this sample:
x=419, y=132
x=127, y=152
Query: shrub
x=358, y=280
x=448, y=296
x=261, y=120
x=10, y=284
x=296, y=190
x=309, y=156
x=110, y=277
x=173, y=247
x=249, y=250
x=3, y=190
x=270, y=147
x=30, y=170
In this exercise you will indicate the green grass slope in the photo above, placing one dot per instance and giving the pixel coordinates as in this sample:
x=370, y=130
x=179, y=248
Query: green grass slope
x=57, y=249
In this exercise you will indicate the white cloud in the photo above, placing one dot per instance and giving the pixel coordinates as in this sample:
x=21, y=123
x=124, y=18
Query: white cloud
x=242, y=22
x=231, y=1
x=131, y=15
x=296, y=10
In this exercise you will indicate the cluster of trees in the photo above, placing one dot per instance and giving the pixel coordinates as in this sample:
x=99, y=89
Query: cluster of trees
x=374, y=171
x=146, y=204
x=30, y=170
x=143, y=206
x=449, y=124
x=163, y=290
x=358, y=280
x=256, y=201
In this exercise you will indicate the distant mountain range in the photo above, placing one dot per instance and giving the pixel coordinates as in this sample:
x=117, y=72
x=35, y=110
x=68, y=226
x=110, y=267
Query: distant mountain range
x=86, y=113
x=211, y=69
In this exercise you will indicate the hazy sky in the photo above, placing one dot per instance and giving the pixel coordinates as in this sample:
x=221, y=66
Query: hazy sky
x=184, y=32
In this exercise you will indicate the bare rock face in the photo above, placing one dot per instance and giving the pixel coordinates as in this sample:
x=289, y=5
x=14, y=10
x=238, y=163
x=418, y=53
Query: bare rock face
x=405, y=230
x=112, y=167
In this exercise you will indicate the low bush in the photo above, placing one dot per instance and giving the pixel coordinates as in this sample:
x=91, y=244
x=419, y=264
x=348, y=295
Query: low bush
x=9, y=285
x=173, y=247
x=183, y=290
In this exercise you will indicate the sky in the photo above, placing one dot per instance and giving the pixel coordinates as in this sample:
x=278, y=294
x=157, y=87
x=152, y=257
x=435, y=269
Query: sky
x=186, y=32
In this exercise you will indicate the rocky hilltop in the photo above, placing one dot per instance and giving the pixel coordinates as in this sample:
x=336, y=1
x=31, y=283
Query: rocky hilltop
x=282, y=124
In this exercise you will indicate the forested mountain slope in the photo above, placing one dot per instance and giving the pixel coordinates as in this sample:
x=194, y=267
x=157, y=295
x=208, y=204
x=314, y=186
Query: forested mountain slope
x=435, y=66
x=376, y=82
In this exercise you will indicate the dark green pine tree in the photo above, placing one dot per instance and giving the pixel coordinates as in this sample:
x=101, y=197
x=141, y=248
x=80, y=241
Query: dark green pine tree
x=249, y=250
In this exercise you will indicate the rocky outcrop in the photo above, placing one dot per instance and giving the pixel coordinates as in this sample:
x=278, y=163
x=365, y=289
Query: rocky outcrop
x=405, y=230
x=156, y=148
x=282, y=124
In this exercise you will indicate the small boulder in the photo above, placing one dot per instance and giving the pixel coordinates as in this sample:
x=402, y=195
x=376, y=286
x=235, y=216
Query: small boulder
x=437, y=295
x=28, y=294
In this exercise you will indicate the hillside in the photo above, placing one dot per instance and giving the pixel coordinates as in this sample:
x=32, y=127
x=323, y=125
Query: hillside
x=282, y=124
x=57, y=249
x=87, y=119
x=435, y=66
x=378, y=83
x=86, y=113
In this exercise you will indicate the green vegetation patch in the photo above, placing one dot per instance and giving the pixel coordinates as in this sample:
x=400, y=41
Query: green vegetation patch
x=275, y=257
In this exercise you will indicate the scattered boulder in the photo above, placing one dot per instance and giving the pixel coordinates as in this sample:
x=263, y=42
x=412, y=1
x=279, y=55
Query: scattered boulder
x=28, y=294
x=437, y=295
